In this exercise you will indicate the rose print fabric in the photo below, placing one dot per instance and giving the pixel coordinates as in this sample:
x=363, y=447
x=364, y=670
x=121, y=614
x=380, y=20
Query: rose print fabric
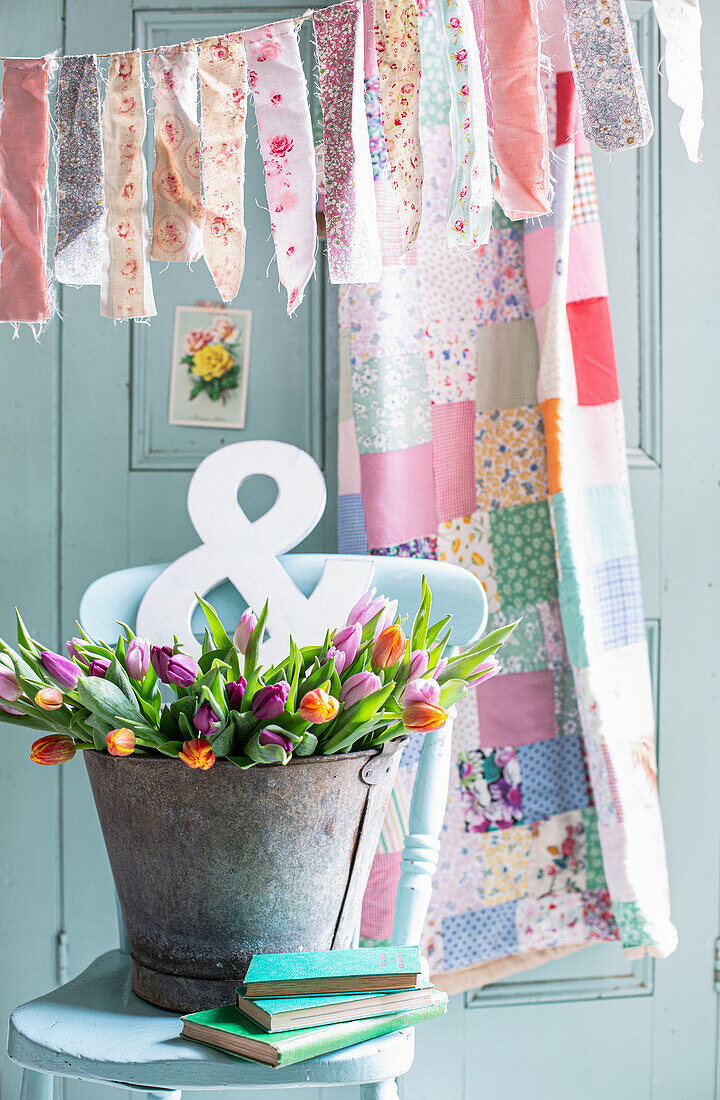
x=23, y=178
x=397, y=46
x=611, y=93
x=178, y=212
x=286, y=143
x=126, y=289
x=223, y=108
x=470, y=200
x=81, y=189
x=353, y=240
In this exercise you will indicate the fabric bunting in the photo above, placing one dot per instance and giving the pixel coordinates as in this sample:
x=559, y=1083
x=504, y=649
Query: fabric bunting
x=470, y=200
x=126, y=289
x=286, y=143
x=353, y=240
x=178, y=211
x=611, y=93
x=223, y=100
x=680, y=24
x=397, y=46
x=23, y=178
x=81, y=189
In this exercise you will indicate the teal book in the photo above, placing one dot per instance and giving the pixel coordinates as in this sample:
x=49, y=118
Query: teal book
x=358, y=970
x=228, y=1030
x=292, y=1013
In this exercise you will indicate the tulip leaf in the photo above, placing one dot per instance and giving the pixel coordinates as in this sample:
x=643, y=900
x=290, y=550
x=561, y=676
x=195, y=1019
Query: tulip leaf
x=24, y=638
x=253, y=681
x=170, y=748
x=117, y=675
x=99, y=729
x=243, y=762
x=307, y=746
x=187, y=730
x=355, y=717
x=265, y=754
x=418, y=634
x=168, y=723
x=293, y=674
x=435, y=630
x=464, y=666
x=253, y=647
x=105, y=699
x=220, y=635
x=452, y=691
x=244, y=725
x=224, y=740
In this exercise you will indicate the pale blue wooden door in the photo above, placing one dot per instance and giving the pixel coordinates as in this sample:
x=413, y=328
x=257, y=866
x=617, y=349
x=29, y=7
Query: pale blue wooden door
x=94, y=478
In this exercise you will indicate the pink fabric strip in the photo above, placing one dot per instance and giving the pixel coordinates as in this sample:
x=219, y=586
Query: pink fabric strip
x=178, y=211
x=126, y=289
x=24, y=149
x=223, y=100
x=283, y=119
x=353, y=241
x=520, y=144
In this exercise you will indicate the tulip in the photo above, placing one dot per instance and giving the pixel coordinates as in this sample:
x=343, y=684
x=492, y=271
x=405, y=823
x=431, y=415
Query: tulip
x=173, y=668
x=485, y=671
x=60, y=668
x=49, y=699
x=55, y=748
x=365, y=609
x=338, y=657
x=269, y=702
x=98, y=667
x=206, y=720
x=389, y=647
x=421, y=691
x=346, y=641
x=423, y=717
x=358, y=686
x=120, y=742
x=235, y=691
x=318, y=706
x=270, y=737
x=440, y=667
x=387, y=617
x=137, y=658
x=10, y=689
x=198, y=753
x=74, y=652
x=243, y=630
x=419, y=660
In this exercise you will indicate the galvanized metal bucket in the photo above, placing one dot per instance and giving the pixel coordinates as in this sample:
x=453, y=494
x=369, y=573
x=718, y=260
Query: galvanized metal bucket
x=212, y=867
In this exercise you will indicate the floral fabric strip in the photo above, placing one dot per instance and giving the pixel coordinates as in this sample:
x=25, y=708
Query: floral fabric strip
x=353, y=240
x=223, y=108
x=680, y=24
x=178, y=211
x=286, y=143
x=397, y=46
x=23, y=178
x=613, y=102
x=81, y=189
x=126, y=289
x=520, y=144
x=470, y=200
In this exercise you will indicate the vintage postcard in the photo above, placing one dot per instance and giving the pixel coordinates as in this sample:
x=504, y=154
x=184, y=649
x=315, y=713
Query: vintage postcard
x=210, y=360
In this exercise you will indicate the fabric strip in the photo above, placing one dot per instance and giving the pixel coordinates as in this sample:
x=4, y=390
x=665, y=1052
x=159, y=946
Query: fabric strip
x=23, y=177
x=126, y=282
x=470, y=200
x=81, y=189
x=520, y=144
x=178, y=211
x=397, y=47
x=680, y=23
x=353, y=241
x=223, y=106
x=286, y=144
x=613, y=102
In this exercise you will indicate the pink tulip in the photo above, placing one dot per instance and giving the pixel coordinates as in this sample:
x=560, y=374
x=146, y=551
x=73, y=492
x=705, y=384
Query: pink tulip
x=358, y=686
x=485, y=671
x=418, y=663
x=243, y=630
x=421, y=691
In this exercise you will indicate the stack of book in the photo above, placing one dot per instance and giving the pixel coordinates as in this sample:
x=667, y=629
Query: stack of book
x=300, y=1005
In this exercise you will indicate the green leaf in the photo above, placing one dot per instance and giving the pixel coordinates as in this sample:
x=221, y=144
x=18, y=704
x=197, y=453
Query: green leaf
x=253, y=647
x=224, y=740
x=243, y=762
x=170, y=748
x=105, y=699
x=435, y=630
x=188, y=731
x=307, y=746
x=355, y=717
x=24, y=638
x=220, y=635
x=117, y=675
x=418, y=635
x=464, y=666
x=265, y=754
x=99, y=730
x=452, y=691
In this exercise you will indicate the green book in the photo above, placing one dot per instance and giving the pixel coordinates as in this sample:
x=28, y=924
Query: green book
x=292, y=1013
x=228, y=1030
x=359, y=970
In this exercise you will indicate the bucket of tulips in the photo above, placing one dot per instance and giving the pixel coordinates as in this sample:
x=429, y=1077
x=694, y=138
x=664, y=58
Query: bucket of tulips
x=241, y=805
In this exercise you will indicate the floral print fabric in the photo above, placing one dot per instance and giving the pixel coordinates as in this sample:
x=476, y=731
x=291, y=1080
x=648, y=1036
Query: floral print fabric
x=223, y=108
x=397, y=46
x=126, y=289
x=286, y=143
x=81, y=190
x=353, y=240
x=178, y=211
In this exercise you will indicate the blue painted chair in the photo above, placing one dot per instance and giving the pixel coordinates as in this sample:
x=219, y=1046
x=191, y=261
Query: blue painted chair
x=94, y=1028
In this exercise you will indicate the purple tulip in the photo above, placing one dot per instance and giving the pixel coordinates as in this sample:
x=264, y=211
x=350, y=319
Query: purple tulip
x=206, y=720
x=74, y=652
x=418, y=663
x=338, y=656
x=485, y=671
x=173, y=668
x=65, y=672
x=98, y=667
x=269, y=702
x=269, y=737
x=235, y=691
x=137, y=658
x=10, y=690
x=243, y=630
x=421, y=691
x=358, y=686
x=347, y=641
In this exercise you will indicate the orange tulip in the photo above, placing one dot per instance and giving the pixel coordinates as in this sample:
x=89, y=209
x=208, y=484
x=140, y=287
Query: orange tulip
x=198, y=753
x=55, y=748
x=49, y=699
x=423, y=717
x=120, y=742
x=389, y=647
x=318, y=706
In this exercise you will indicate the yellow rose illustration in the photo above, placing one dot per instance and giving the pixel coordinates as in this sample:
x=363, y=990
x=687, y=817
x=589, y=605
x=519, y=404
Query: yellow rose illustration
x=211, y=362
